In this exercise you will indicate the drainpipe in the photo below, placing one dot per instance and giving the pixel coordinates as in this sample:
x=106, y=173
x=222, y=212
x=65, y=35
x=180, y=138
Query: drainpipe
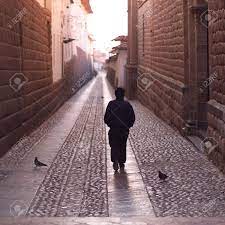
x=132, y=60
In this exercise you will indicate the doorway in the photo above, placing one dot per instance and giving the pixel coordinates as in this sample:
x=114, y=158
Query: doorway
x=197, y=77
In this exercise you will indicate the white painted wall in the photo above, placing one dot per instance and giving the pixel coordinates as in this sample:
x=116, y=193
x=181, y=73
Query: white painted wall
x=67, y=23
x=57, y=10
x=79, y=29
x=57, y=38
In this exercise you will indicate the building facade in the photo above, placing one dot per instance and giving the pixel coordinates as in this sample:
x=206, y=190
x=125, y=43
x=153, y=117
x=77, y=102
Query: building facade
x=169, y=33
x=78, y=45
x=111, y=66
x=34, y=51
x=121, y=51
x=180, y=65
x=117, y=62
x=216, y=104
x=99, y=59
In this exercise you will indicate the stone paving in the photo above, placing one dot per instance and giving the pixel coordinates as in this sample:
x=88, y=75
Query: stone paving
x=13, y=158
x=75, y=184
x=194, y=188
x=20, y=184
x=18, y=152
x=79, y=180
x=127, y=195
x=112, y=221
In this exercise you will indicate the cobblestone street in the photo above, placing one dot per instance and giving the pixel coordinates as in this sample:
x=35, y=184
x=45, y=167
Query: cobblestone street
x=79, y=180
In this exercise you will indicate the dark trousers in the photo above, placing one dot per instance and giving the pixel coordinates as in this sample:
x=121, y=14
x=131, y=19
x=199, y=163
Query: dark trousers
x=118, y=144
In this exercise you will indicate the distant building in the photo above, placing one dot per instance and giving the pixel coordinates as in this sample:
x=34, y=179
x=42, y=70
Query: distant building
x=91, y=53
x=99, y=59
x=71, y=47
x=78, y=46
x=116, y=63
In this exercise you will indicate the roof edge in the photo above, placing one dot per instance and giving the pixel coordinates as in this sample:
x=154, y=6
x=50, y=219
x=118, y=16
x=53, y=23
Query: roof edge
x=87, y=6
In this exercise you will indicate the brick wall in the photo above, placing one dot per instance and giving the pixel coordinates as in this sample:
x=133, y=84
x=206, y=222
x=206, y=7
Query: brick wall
x=111, y=74
x=25, y=49
x=216, y=106
x=77, y=71
x=161, y=58
x=175, y=77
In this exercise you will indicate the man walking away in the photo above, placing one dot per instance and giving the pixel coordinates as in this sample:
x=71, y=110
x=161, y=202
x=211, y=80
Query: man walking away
x=120, y=118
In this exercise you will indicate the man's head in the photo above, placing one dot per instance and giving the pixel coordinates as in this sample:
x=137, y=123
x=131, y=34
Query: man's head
x=120, y=93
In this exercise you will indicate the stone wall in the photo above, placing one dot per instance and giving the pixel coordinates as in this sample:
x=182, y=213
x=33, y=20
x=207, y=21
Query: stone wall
x=161, y=73
x=111, y=71
x=181, y=69
x=27, y=92
x=216, y=106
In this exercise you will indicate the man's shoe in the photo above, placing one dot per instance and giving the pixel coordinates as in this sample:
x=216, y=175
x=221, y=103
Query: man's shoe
x=122, y=166
x=115, y=166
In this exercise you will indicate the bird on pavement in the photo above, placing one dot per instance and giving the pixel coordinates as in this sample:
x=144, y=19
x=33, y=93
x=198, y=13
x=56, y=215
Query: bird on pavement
x=38, y=163
x=162, y=176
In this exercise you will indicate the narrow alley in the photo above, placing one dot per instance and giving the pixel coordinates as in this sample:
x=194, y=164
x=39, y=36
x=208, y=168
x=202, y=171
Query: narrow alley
x=79, y=180
x=112, y=112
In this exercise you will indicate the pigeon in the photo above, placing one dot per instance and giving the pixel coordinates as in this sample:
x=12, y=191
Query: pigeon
x=162, y=176
x=38, y=163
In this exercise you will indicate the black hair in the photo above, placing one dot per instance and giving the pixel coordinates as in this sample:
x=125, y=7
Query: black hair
x=119, y=93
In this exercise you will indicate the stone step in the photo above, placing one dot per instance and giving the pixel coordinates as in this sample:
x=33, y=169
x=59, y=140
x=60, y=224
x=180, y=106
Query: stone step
x=197, y=142
x=111, y=221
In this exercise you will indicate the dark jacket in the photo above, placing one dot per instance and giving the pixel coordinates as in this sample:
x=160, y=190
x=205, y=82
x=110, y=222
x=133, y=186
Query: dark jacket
x=119, y=114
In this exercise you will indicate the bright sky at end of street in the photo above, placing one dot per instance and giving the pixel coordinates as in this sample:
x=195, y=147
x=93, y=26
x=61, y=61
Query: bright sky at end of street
x=109, y=20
